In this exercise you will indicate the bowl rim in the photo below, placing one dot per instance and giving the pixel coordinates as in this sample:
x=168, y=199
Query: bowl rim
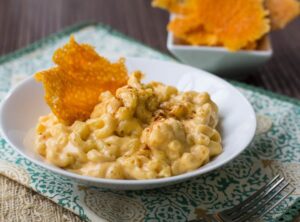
x=128, y=184
x=172, y=46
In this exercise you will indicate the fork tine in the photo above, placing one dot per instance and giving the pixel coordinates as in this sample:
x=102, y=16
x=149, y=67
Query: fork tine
x=253, y=196
x=259, y=206
x=274, y=205
x=247, y=206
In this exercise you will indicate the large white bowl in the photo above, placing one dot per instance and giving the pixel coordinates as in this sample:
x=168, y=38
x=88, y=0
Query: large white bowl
x=25, y=103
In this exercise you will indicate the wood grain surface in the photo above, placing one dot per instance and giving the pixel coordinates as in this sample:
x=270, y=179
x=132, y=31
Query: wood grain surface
x=25, y=21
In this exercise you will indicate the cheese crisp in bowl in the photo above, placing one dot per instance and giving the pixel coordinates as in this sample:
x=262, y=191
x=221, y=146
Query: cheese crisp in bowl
x=125, y=124
x=226, y=37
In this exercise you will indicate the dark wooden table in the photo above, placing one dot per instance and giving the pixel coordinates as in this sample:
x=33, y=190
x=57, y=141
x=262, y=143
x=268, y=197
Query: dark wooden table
x=25, y=21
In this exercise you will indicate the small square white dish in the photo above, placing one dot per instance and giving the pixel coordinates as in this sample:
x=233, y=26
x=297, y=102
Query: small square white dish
x=219, y=60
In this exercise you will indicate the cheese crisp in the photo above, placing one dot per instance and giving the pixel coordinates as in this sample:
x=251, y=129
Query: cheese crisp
x=234, y=24
x=73, y=86
x=142, y=131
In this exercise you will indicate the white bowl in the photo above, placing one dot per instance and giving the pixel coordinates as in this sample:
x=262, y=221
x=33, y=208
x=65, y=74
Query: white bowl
x=219, y=60
x=25, y=103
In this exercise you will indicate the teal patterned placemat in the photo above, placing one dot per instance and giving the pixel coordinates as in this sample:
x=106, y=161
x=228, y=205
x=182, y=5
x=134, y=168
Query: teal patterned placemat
x=275, y=149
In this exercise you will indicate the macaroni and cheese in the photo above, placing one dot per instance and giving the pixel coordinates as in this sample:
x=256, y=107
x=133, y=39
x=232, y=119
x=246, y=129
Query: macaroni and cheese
x=144, y=131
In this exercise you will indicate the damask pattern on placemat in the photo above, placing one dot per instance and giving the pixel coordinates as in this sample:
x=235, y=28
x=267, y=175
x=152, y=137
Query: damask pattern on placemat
x=275, y=149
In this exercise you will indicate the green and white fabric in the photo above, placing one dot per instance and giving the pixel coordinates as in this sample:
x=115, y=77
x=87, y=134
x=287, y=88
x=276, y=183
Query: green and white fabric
x=275, y=149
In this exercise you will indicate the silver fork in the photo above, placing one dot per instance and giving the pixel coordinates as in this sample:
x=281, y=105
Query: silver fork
x=255, y=206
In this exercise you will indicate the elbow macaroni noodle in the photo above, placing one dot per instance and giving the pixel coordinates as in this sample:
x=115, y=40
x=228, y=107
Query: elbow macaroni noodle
x=144, y=131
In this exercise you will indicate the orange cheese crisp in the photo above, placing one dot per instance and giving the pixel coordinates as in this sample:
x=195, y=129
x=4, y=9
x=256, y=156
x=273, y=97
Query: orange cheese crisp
x=72, y=88
x=282, y=12
x=234, y=24
x=191, y=31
